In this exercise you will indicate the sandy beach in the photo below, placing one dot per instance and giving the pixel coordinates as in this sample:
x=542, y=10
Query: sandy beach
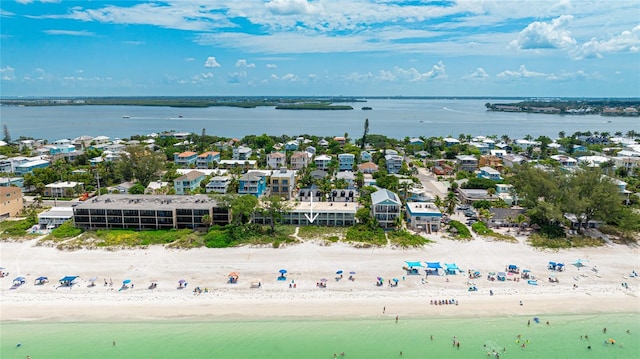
x=595, y=288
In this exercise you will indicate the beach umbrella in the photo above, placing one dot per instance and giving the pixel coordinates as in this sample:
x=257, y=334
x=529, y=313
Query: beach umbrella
x=41, y=279
x=283, y=271
x=396, y=280
x=380, y=279
x=182, y=281
x=323, y=279
x=93, y=279
x=234, y=274
x=126, y=281
x=339, y=272
x=352, y=272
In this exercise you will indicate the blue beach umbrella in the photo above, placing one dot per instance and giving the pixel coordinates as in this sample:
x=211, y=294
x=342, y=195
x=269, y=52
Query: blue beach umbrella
x=396, y=280
x=283, y=271
x=126, y=281
x=339, y=272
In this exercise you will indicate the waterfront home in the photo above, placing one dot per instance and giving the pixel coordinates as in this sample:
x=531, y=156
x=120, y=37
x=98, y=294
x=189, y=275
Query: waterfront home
x=491, y=161
x=504, y=217
x=276, y=160
x=489, y=173
x=481, y=146
x=566, y=162
x=424, y=217
x=218, y=184
x=579, y=148
x=420, y=195
x=422, y=154
x=442, y=168
x=467, y=163
x=450, y=141
x=244, y=164
x=12, y=182
x=498, y=153
x=149, y=212
x=415, y=141
x=156, y=187
x=106, y=156
x=346, y=161
x=322, y=161
x=54, y=217
x=28, y=167
x=29, y=144
x=365, y=156
x=242, y=153
x=385, y=207
x=252, y=184
x=291, y=146
x=593, y=161
x=12, y=202
x=504, y=146
x=340, y=139
x=300, y=160
x=63, y=189
x=282, y=183
x=393, y=163
x=511, y=160
x=323, y=143
x=188, y=183
x=311, y=150
x=348, y=177
x=368, y=167
x=185, y=159
x=505, y=193
x=522, y=143
x=326, y=214
x=629, y=163
x=208, y=160
x=469, y=196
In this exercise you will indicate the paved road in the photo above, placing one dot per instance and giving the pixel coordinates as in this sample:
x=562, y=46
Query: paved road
x=431, y=184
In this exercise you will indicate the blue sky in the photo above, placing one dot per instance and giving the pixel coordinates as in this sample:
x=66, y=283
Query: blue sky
x=577, y=48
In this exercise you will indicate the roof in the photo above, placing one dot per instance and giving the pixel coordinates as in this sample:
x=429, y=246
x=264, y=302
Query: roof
x=212, y=153
x=421, y=208
x=190, y=176
x=384, y=195
x=276, y=155
x=148, y=202
x=57, y=212
x=250, y=177
x=66, y=184
x=187, y=154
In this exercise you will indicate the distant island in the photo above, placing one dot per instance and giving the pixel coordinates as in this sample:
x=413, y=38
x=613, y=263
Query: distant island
x=366, y=108
x=603, y=107
x=281, y=103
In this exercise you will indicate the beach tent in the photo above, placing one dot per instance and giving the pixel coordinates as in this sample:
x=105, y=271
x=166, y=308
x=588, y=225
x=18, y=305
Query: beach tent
x=560, y=267
x=580, y=263
x=19, y=280
x=552, y=265
x=233, y=277
x=412, y=268
x=41, y=280
x=502, y=276
x=433, y=267
x=68, y=280
x=411, y=264
x=452, y=268
x=513, y=268
x=282, y=274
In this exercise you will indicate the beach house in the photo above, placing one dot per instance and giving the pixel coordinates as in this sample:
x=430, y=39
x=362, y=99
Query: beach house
x=207, y=160
x=218, y=184
x=423, y=217
x=282, y=183
x=368, y=167
x=242, y=153
x=393, y=163
x=322, y=162
x=489, y=173
x=29, y=166
x=63, y=189
x=185, y=159
x=253, y=184
x=467, y=163
x=188, y=183
x=346, y=161
x=385, y=207
x=299, y=160
x=326, y=214
x=276, y=160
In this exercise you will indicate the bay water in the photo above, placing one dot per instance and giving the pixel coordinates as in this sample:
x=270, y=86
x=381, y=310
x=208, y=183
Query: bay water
x=395, y=118
x=380, y=337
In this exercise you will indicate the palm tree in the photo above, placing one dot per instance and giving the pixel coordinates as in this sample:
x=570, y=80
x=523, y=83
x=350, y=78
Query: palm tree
x=404, y=188
x=450, y=203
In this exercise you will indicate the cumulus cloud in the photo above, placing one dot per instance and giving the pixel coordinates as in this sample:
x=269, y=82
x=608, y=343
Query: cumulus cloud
x=272, y=66
x=292, y=7
x=236, y=77
x=545, y=35
x=211, y=62
x=189, y=59
x=7, y=73
x=565, y=76
x=243, y=63
x=206, y=75
x=522, y=72
x=437, y=71
x=356, y=76
x=69, y=32
x=289, y=77
x=627, y=41
x=479, y=74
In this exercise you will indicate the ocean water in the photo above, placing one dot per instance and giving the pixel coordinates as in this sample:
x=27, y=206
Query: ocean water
x=319, y=338
x=396, y=118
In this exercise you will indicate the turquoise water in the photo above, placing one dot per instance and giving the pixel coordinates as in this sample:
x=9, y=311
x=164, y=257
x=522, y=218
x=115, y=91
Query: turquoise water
x=315, y=338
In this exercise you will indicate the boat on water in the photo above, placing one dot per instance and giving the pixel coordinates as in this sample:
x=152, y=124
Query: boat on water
x=367, y=108
x=126, y=116
x=180, y=116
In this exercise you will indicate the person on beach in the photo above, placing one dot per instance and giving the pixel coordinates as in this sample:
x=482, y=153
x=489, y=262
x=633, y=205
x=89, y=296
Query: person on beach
x=604, y=330
x=114, y=343
x=384, y=309
x=396, y=318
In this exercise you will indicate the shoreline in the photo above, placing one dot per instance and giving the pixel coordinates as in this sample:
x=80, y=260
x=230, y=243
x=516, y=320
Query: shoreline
x=592, y=290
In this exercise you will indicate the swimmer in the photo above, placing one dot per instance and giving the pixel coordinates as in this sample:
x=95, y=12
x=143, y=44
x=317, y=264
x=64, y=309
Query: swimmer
x=19, y=345
x=589, y=347
x=604, y=330
x=114, y=343
x=431, y=337
x=342, y=354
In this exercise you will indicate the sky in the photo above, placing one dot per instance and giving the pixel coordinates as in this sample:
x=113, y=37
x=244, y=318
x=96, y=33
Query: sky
x=524, y=48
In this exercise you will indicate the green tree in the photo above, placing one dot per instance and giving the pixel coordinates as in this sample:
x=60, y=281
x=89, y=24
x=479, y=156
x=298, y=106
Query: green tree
x=363, y=142
x=141, y=164
x=273, y=208
x=243, y=207
x=137, y=189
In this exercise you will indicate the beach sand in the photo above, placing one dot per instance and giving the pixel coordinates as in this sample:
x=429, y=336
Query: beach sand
x=599, y=284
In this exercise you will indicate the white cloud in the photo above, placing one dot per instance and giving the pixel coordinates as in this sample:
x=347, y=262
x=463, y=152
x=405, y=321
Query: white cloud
x=42, y=1
x=236, y=77
x=4, y=13
x=627, y=41
x=573, y=75
x=272, y=66
x=545, y=35
x=292, y=7
x=522, y=72
x=479, y=74
x=134, y=43
x=387, y=75
x=437, y=71
x=289, y=77
x=206, y=75
x=7, y=73
x=189, y=59
x=69, y=32
x=243, y=63
x=211, y=62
